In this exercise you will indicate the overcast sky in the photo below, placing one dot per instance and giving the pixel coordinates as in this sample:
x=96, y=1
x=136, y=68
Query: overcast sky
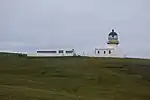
x=26, y=25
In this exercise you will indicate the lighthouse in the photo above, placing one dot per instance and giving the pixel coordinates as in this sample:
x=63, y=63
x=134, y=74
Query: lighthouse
x=111, y=49
x=113, y=40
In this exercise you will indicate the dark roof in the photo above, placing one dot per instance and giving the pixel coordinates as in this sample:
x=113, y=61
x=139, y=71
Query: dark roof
x=113, y=33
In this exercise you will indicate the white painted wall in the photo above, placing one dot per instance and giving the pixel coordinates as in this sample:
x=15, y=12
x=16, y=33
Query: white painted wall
x=53, y=55
x=101, y=52
x=114, y=46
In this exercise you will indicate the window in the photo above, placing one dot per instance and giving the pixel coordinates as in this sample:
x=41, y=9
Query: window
x=104, y=52
x=46, y=52
x=109, y=51
x=114, y=37
x=69, y=51
x=98, y=52
x=61, y=51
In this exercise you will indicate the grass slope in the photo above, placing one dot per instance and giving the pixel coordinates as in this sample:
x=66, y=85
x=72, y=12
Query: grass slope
x=71, y=78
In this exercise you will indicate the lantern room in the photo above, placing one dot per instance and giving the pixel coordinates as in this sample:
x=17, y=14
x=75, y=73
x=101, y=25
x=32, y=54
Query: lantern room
x=113, y=38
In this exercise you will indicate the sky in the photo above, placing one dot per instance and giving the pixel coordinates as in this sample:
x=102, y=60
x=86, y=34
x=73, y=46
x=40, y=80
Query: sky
x=27, y=25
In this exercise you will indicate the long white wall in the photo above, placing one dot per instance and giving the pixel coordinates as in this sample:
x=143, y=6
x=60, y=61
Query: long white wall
x=50, y=54
x=47, y=54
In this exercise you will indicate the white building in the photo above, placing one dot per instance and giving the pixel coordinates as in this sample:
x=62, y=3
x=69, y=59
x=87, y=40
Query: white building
x=112, y=47
x=52, y=53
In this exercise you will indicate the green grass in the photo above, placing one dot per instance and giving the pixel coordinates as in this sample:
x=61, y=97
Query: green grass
x=71, y=78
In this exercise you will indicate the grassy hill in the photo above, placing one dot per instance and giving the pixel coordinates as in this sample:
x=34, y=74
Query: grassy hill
x=73, y=78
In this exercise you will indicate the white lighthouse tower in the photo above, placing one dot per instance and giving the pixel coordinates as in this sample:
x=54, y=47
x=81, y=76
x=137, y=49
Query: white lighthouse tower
x=111, y=49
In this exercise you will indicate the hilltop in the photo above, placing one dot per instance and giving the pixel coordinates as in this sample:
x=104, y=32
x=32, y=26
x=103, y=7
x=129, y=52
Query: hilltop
x=71, y=78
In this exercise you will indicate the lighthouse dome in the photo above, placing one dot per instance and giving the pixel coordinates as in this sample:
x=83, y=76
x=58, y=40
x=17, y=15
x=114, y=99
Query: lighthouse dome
x=113, y=33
